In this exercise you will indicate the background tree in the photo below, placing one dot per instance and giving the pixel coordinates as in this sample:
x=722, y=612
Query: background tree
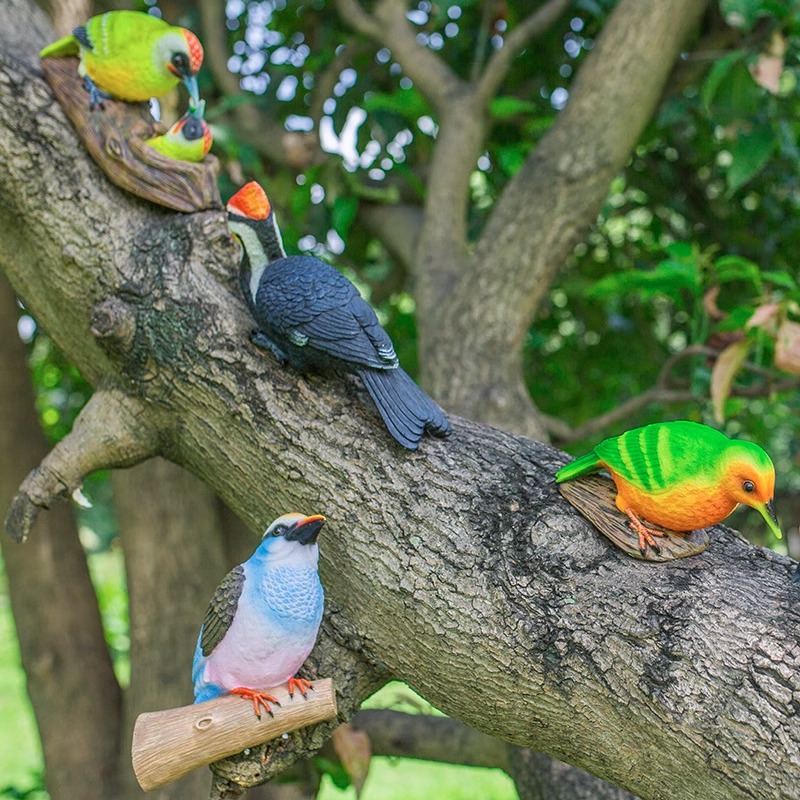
x=481, y=246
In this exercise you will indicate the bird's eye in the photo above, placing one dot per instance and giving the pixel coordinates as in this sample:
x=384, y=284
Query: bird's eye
x=279, y=531
x=748, y=486
x=180, y=62
x=192, y=130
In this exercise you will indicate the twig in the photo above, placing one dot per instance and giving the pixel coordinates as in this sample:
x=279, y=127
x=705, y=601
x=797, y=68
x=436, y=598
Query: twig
x=388, y=26
x=110, y=431
x=663, y=391
x=500, y=61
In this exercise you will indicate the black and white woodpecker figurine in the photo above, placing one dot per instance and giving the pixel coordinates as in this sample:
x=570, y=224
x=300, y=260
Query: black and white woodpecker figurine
x=313, y=318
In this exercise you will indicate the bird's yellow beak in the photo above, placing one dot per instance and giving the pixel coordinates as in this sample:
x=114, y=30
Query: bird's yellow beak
x=767, y=510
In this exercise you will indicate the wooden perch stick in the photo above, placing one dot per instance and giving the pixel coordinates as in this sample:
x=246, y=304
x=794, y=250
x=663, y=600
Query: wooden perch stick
x=168, y=744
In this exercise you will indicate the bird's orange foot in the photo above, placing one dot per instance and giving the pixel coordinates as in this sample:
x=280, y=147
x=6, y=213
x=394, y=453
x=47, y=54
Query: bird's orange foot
x=645, y=534
x=258, y=698
x=299, y=683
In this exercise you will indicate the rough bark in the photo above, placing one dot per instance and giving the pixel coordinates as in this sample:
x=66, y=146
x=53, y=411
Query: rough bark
x=174, y=559
x=64, y=653
x=470, y=574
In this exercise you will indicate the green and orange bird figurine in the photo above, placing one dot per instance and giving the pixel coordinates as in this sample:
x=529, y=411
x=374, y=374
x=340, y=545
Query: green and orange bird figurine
x=189, y=139
x=131, y=56
x=682, y=476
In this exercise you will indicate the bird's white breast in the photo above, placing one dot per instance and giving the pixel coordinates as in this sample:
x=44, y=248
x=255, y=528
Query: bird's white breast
x=272, y=633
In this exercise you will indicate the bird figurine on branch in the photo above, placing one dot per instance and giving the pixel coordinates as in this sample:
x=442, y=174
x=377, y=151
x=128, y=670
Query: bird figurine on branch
x=261, y=625
x=681, y=476
x=131, y=56
x=189, y=139
x=312, y=317
x=263, y=619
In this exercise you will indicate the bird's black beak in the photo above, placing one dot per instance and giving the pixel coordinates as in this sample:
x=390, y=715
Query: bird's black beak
x=307, y=530
x=771, y=511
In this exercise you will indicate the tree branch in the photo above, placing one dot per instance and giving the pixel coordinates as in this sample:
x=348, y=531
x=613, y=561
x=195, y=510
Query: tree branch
x=388, y=26
x=531, y=27
x=662, y=392
x=541, y=214
x=470, y=571
x=110, y=431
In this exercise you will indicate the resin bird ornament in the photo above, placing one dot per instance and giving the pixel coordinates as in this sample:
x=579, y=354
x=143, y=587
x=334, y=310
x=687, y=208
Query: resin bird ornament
x=311, y=317
x=682, y=476
x=189, y=139
x=131, y=56
x=263, y=619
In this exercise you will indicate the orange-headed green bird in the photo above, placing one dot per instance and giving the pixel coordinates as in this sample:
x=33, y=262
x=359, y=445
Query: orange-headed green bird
x=189, y=139
x=131, y=56
x=681, y=475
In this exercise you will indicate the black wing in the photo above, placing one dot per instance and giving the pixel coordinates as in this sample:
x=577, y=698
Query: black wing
x=221, y=610
x=311, y=304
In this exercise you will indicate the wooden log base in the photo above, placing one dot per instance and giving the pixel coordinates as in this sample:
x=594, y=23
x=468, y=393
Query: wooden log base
x=168, y=744
x=114, y=137
x=593, y=496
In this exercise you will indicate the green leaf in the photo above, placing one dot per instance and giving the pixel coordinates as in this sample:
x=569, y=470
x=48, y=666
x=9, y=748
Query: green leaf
x=750, y=152
x=505, y=107
x=408, y=103
x=717, y=74
x=338, y=774
x=343, y=213
x=669, y=278
x=779, y=278
x=736, y=96
x=736, y=268
x=510, y=158
x=741, y=13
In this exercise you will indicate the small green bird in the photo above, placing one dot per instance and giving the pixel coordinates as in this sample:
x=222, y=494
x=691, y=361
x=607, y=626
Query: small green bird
x=189, y=139
x=131, y=56
x=682, y=476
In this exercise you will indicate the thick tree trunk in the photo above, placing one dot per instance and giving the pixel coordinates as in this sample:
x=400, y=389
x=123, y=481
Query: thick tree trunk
x=475, y=311
x=174, y=560
x=458, y=568
x=70, y=679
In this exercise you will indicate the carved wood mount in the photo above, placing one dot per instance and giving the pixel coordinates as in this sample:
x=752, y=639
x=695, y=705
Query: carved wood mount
x=114, y=137
x=593, y=497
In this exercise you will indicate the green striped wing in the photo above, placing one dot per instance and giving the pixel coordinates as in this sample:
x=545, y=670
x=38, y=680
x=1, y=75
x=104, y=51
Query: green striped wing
x=658, y=456
x=580, y=466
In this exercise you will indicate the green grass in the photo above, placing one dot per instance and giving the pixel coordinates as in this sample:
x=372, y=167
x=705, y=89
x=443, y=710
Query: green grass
x=20, y=748
x=389, y=778
x=410, y=779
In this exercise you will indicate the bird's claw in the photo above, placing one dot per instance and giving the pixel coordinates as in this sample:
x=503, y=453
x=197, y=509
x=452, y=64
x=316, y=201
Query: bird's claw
x=97, y=97
x=301, y=684
x=258, y=698
x=261, y=340
x=645, y=533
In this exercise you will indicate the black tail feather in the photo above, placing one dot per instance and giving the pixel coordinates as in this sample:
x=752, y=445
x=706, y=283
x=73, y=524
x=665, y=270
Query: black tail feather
x=406, y=410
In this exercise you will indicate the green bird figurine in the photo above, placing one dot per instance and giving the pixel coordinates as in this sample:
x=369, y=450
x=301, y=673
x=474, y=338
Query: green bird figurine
x=682, y=476
x=189, y=139
x=132, y=56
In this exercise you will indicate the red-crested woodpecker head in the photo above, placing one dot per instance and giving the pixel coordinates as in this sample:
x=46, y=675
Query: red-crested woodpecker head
x=195, y=51
x=180, y=53
x=251, y=202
